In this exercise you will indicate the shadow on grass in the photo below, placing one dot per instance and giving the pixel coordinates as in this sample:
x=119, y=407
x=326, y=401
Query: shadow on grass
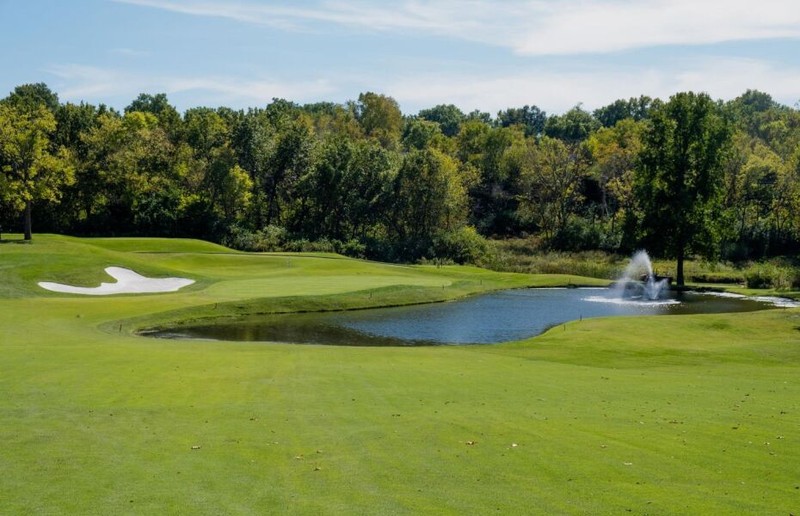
x=14, y=241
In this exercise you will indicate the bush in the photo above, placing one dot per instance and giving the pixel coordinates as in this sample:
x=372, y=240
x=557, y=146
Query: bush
x=524, y=255
x=353, y=248
x=577, y=234
x=770, y=275
x=463, y=245
x=269, y=239
x=716, y=277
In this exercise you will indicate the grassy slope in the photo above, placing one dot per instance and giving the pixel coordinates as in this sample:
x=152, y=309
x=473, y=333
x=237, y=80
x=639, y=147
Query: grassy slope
x=657, y=415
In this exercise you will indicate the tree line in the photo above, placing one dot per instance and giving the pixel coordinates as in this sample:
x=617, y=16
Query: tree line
x=686, y=175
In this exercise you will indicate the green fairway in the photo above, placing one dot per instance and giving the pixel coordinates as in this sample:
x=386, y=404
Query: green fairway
x=652, y=415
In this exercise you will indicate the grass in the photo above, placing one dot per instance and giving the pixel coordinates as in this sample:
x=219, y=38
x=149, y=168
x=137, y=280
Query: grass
x=652, y=415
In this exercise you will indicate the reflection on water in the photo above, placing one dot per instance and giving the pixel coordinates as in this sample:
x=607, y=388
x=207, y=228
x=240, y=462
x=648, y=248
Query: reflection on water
x=490, y=318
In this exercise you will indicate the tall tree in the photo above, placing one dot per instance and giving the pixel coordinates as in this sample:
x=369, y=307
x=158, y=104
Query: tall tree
x=614, y=152
x=679, y=178
x=573, y=126
x=168, y=117
x=635, y=108
x=531, y=118
x=30, y=169
x=28, y=97
x=381, y=118
x=429, y=197
x=448, y=116
x=552, y=172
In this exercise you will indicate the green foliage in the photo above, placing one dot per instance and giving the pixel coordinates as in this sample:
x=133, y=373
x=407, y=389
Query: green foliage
x=634, y=109
x=31, y=170
x=528, y=256
x=449, y=118
x=551, y=176
x=29, y=97
x=269, y=239
x=531, y=118
x=678, y=182
x=329, y=172
x=573, y=126
x=462, y=245
x=420, y=134
x=772, y=275
x=429, y=196
x=380, y=117
x=159, y=106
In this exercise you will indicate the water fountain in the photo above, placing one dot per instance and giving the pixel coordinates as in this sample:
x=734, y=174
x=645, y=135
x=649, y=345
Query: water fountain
x=639, y=282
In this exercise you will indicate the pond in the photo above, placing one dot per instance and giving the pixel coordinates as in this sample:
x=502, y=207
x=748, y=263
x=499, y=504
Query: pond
x=490, y=318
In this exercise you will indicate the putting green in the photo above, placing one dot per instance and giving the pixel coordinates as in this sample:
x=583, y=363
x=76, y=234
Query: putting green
x=663, y=415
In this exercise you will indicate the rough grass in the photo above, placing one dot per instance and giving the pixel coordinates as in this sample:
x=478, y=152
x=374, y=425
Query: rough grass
x=651, y=415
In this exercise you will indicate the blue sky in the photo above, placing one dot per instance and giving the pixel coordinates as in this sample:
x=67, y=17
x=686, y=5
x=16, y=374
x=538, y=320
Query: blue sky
x=477, y=54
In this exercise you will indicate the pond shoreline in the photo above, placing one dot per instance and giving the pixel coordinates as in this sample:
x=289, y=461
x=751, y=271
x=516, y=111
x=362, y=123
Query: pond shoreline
x=499, y=316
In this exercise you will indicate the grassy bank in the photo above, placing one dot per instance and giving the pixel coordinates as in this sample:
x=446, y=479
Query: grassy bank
x=655, y=415
x=775, y=277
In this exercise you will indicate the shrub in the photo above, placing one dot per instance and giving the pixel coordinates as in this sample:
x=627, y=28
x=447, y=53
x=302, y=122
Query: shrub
x=770, y=275
x=269, y=239
x=464, y=245
x=577, y=234
x=717, y=277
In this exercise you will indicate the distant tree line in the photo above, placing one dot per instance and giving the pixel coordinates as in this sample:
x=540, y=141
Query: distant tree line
x=686, y=175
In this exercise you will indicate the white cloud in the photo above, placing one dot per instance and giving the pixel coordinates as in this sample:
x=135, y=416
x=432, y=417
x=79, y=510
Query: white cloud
x=557, y=92
x=528, y=27
x=597, y=26
x=553, y=91
x=95, y=84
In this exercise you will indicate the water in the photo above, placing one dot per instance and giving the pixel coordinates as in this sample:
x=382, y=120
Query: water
x=638, y=280
x=491, y=318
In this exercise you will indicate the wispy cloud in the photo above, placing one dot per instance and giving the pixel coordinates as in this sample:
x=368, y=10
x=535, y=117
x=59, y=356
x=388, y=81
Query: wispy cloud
x=557, y=92
x=97, y=84
x=553, y=91
x=528, y=27
x=598, y=26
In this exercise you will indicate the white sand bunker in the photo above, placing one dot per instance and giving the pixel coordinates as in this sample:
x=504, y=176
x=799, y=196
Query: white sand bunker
x=128, y=282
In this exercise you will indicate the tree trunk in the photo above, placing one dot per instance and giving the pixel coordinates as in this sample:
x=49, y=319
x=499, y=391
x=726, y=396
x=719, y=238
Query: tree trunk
x=680, y=268
x=27, y=221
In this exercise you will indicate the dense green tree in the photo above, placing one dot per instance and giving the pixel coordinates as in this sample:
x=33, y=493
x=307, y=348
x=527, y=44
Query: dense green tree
x=380, y=117
x=492, y=185
x=480, y=116
x=28, y=97
x=419, y=134
x=289, y=158
x=30, y=169
x=132, y=163
x=552, y=172
x=216, y=191
x=341, y=175
x=429, y=197
x=679, y=178
x=168, y=117
x=573, y=126
x=448, y=116
x=748, y=110
x=334, y=119
x=531, y=118
x=72, y=122
x=634, y=108
x=343, y=197
x=614, y=153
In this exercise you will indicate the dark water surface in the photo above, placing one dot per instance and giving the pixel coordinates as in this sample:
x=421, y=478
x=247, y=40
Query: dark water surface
x=490, y=318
